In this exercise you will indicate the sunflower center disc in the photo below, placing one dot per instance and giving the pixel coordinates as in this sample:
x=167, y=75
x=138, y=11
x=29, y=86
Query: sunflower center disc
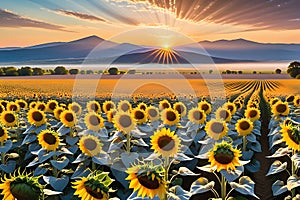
x=166, y=143
x=52, y=106
x=252, y=113
x=90, y=144
x=244, y=125
x=179, y=109
x=205, y=107
x=148, y=182
x=13, y=107
x=139, y=115
x=125, y=107
x=95, y=194
x=298, y=101
x=69, y=117
x=281, y=108
x=49, y=138
x=37, y=116
x=1, y=132
x=294, y=136
x=152, y=113
x=108, y=106
x=217, y=127
x=238, y=105
x=143, y=107
x=230, y=107
x=165, y=105
x=197, y=115
x=94, y=120
x=224, y=114
x=125, y=121
x=1, y=109
x=21, y=104
x=41, y=107
x=223, y=158
x=171, y=116
x=75, y=109
x=94, y=107
x=290, y=99
x=9, y=118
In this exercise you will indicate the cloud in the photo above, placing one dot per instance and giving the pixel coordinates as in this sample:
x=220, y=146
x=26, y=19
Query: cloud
x=80, y=15
x=10, y=19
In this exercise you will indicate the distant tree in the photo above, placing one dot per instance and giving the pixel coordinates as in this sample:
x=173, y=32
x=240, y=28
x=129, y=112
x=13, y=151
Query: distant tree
x=74, y=71
x=240, y=72
x=37, y=71
x=82, y=72
x=294, y=69
x=11, y=71
x=51, y=71
x=2, y=73
x=122, y=72
x=228, y=72
x=131, y=71
x=60, y=70
x=25, y=71
x=89, y=71
x=254, y=72
x=113, y=71
x=278, y=71
x=100, y=72
x=210, y=71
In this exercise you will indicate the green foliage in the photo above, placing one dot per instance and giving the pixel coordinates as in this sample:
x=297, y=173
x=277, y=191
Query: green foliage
x=25, y=71
x=113, y=71
x=278, y=71
x=60, y=70
x=74, y=71
x=294, y=69
x=38, y=71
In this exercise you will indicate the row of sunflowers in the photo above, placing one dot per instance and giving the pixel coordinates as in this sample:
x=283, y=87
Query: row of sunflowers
x=125, y=149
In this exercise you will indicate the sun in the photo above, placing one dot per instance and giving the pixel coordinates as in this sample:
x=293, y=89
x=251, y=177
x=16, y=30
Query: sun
x=166, y=55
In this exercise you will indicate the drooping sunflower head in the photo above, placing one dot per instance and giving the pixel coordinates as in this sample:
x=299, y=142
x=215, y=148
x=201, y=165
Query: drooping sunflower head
x=90, y=145
x=164, y=104
x=49, y=140
x=244, y=126
x=253, y=114
x=12, y=106
x=108, y=105
x=41, y=106
x=93, y=121
x=223, y=114
x=139, y=115
x=165, y=143
x=111, y=114
x=32, y=105
x=21, y=186
x=57, y=112
x=180, y=108
x=51, y=106
x=281, y=108
x=224, y=156
x=205, y=106
x=142, y=106
x=68, y=118
x=170, y=116
x=152, y=113
x=22, y=103
x=291, y=135
x=197, y=116
x=230, y=106
x=94, y=187
x=93, y=106
x=8, y=118
x=297, y=101
x=75, y=107
x=124, y=122
x=3, y=134
x=147, y=180
x=216, y=129
x=36, y=117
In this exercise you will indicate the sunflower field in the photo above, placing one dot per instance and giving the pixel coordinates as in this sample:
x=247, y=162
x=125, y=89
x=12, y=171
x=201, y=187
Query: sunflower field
x=160, y=148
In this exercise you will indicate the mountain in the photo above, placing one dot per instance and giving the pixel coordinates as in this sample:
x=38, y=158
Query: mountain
x=245, y=49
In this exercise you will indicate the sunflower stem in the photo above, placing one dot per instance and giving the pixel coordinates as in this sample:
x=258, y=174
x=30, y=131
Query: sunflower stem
x=223, y=188
x=215, y=193
x=166, y=175
x=128, y=147
x=55, y=172
x=93, y=166
x=244, y=143
x=294, y=168
x=2, y=155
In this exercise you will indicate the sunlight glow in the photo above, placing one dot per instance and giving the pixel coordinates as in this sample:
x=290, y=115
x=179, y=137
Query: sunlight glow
x=166, y=55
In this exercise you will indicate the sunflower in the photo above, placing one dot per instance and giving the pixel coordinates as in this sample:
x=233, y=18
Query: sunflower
x=3, y=134
x=297, y=101
x=49, y=140
x=57, y=112
x=4, y=103
x=40, y=106
x=68, y=118
x=152, y=113
x=274, y=100
x=224, y=156
x=32, y=105
x=22, y=186
x=197, y=116
x=230, y=106
x=51, y=106
x=139, y=115
x=8, y=118
x=205, y=106
x=180, y=108
x=108, y=105
x=164, y=104
x=93, y=106
x=170, y=116
x=216, y=128
x=36, y=117
x=1, y=108
x=238, y=104
x=124, y=106
x=290, y=98
x=165, y=143
x=252, y=105
x=12, y=106
x=291, y=135
x=93, y=187
x=281, y=108
x=244, y=126
x=90, y=145
x=124, y=122
x=252, y=113
x=22, y=103
x=142, y=106
x=93, y=121
x=223, y=114
x=111, y=114
x=147, y=180
x=75, y=107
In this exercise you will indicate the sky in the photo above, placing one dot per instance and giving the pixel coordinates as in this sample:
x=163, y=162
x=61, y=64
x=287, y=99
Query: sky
x=30, y=22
